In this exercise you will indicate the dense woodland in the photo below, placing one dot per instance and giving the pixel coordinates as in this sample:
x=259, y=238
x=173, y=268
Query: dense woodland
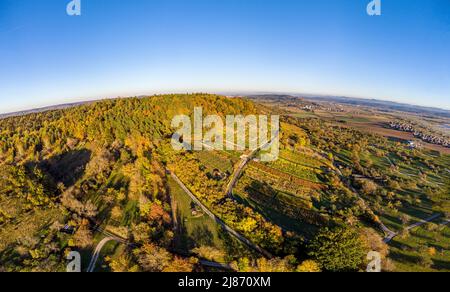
x=104, y=165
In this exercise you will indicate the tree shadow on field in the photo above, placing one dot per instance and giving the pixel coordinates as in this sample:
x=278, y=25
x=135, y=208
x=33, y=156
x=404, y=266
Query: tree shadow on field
x=403, y=258
x=393, y=219
x=68, y=167
x=441, y=265
x=401, y=246
x=234, y=249
x=182, y=242
x=202, y=236
x=9, y=257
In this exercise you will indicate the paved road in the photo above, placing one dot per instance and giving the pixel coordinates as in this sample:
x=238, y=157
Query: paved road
x=220, y=222
x=109, y=237
x=96, y=253
x=389, y=233
x=236, y=175
x=101, y=245
x=415, y=225
x=422, y=222
x=244, y=161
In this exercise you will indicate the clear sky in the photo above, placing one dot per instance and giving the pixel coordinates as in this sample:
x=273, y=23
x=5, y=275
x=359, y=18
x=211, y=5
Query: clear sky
x=134, y=47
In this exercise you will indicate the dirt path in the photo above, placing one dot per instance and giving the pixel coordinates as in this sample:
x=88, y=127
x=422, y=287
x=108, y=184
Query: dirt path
x=245, y=159
x=415, y=225
x=389, y=233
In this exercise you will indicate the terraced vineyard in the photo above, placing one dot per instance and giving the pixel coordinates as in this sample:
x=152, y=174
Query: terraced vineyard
x=311, y=160
x=213, y=160
x=285, y=191
x=297, y=170
x=282, y=180
x=195, y=173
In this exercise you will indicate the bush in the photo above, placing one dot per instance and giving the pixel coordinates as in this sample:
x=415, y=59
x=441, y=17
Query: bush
x=309, y=266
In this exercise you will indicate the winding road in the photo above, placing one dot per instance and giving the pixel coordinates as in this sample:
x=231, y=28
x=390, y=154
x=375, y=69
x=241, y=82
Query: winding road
x=102, y=243
x=96, y=253
x=237, y=173
x=109, y=237
x=388, y=233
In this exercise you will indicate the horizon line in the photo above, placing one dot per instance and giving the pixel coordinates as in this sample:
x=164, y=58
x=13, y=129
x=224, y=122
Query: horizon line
x=243, y=93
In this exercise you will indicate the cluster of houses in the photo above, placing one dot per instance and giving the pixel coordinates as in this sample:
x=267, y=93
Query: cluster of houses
x=405, y=127
x=308, y=108
x=335, y=108
x=314, y=107
x=303, y=106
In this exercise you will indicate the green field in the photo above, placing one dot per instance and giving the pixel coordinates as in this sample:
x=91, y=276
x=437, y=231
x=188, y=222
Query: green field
x=299, y=170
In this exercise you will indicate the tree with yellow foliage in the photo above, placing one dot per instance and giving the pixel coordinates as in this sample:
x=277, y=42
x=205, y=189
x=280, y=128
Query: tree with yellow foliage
x=309, y=266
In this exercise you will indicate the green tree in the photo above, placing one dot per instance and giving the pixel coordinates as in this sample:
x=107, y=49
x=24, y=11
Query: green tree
x=338, y=249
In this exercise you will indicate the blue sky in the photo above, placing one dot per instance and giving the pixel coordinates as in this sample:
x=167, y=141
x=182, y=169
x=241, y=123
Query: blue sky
x=122, y=48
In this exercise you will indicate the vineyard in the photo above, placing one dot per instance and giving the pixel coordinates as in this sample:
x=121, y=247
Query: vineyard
x=286, y=210
x=285, y=191
x=211, y=193
x=216, y=160
x=272, y=180
x=307, y=160
x=297, y=170
x=265, y=172
x=264, y=193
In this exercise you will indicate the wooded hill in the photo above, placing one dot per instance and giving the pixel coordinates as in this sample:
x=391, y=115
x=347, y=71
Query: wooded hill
x=104, y=165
